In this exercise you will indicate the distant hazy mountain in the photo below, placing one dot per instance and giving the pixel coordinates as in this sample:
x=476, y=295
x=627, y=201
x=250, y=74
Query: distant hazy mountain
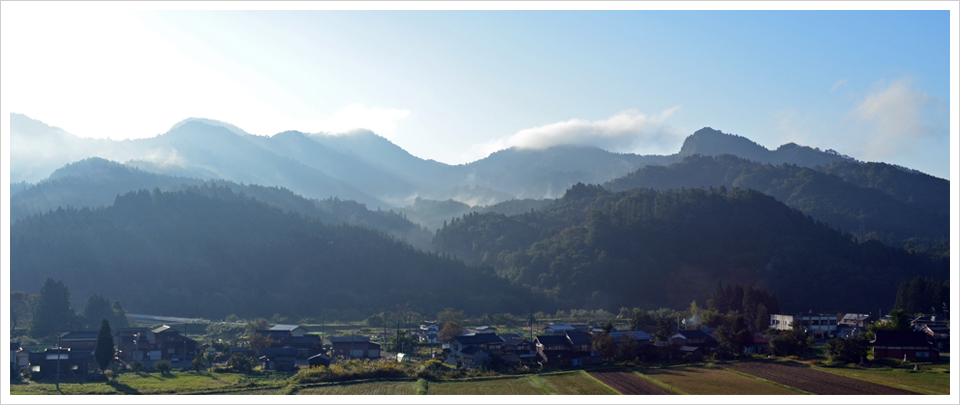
x=96, y=182
x=710, y=142
x=369, y=169
x=897, y=207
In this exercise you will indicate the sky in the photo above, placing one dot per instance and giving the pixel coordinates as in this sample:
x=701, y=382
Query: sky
x=455, y=86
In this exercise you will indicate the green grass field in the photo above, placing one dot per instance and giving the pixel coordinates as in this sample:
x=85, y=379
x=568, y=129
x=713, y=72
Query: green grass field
x=363, y=388
x=567, y=383
x=712, y=381
x=930, y=380
x=130, y=383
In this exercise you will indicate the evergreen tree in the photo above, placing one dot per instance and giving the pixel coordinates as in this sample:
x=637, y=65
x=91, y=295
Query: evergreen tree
x=54, y=313
x=119, y=315
x=104, y=351
x=762, y=321
x=97, y=309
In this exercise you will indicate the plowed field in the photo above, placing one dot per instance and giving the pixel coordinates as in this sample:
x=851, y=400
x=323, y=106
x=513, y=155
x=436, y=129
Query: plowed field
x=629, y=384
x=815, y=381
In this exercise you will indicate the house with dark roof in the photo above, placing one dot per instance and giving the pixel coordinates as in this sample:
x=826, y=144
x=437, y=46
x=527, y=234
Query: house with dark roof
x=278, y=358
x=573, y=348
x=490, y=342
x=903, y=345
x=319, y=359
x=518, y=349
x=71, y=363
x=931, y=320
x=354, y=347
x=695, y=338
x=80, y=340
x=638, y=335
x=283, y=335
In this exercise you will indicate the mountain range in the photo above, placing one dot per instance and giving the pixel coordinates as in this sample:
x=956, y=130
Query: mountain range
x=567, y=226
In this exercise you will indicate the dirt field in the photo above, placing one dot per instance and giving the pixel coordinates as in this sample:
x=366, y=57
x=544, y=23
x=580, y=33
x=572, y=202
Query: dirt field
x=629, y=384
x=711, y=381
x=815, y=381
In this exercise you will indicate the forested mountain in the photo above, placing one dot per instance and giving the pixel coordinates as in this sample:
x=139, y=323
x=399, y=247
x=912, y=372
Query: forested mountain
x=434, y=214
x=893, y=205
x=92, y=182
x=209, y=252
x=648, y=248
x=96, y=182
x=710, y=142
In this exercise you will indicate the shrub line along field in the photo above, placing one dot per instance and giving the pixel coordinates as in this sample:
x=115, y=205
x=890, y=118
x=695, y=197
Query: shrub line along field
x=814, y=381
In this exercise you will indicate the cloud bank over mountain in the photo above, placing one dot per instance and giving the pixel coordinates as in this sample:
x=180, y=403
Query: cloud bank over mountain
x=626, y=131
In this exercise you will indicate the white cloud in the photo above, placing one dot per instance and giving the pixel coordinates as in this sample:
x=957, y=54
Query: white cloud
x=627, y=131
x=897, y=117
x=838, y=84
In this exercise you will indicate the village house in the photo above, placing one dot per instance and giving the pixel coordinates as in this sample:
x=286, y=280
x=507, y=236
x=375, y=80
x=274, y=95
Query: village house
x=518, y=349
x=693, y=338
x=278, y=358
x=903, y=345
x=80, y=340
x=573, y=348
x=939, y=336
x=474, y=349
x=71, y=363
x=851, y=325
x=429, y=332
x=295, y=336
x=149, y=345
x=354, y=347
x=819, y=326
x=563, y=329
x=319, y=360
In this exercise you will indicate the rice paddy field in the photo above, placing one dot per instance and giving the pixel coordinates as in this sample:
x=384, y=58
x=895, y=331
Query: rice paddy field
x=713, y=381
x=930, y=380
x=363, y=388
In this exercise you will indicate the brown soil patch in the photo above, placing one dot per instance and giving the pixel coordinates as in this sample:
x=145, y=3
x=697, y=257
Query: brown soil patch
x=629, y=383
x=814, y=381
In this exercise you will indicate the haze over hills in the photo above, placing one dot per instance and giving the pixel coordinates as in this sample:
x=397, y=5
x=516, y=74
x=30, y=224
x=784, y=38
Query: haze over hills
x=503, y=211
x=361, y=165
x=597, y=248
x=209, y=252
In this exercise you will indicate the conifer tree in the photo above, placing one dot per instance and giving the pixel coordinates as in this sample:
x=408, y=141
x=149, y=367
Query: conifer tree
x=104, y=351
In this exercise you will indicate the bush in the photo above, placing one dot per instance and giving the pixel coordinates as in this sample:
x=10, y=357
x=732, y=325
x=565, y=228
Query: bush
x=240, y=363
x=136, y=366
x=163, y=366
x=850, y=350
x=351, y=370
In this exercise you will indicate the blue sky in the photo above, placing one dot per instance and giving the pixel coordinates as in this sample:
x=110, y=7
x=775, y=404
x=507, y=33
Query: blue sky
x=454, y=86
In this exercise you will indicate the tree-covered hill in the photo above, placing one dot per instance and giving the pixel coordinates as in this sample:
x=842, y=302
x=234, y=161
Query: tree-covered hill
x=893, y=205
x=647, y=248
x=96, y=182
x=209, y=252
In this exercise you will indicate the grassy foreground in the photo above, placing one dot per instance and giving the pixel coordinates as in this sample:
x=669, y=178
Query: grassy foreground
x=703, y=379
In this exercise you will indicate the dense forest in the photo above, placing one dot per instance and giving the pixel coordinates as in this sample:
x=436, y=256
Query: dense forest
x=648, y=248
x=207, y=251
x=892, y=205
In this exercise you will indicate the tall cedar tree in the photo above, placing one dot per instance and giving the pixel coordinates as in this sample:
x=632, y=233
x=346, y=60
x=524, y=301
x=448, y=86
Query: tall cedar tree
x=54, y=314
x=104, y=351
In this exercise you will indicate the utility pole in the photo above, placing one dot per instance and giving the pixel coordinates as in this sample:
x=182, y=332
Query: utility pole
x=59, y=353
